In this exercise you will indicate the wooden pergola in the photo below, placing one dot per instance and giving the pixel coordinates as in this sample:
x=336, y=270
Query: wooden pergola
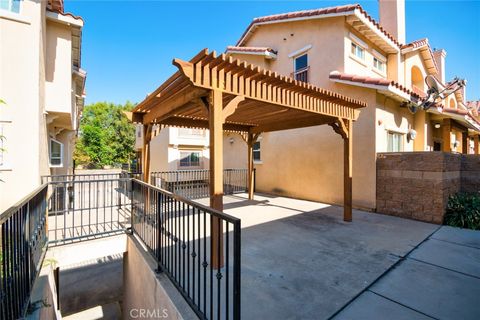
x=222, y=94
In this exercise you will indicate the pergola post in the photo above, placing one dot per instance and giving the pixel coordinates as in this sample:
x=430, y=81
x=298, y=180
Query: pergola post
x=147, y=130
x=347, y=172
x=250, y=184
x=215, y=122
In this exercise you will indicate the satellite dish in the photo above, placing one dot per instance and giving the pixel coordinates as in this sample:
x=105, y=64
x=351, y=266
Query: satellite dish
x=412, y=107
x=432, y=84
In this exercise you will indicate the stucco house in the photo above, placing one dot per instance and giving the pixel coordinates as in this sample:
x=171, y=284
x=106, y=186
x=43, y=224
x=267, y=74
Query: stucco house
x=42, y=84
x=345, y=50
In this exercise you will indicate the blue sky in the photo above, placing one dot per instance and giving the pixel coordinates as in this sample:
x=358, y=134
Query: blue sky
x=128, y=46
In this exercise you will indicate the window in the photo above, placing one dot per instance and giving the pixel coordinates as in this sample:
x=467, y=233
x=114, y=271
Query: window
x=301, y=68
x=10, y=5
x=56, y=153
x=256, y=151
x=378, y=64
x=358, y=51
x=187, y=132
x=190, y=159
x=395, y=142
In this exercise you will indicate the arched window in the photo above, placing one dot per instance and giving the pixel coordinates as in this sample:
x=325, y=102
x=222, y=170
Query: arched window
x=452, y=104
x=418, y=82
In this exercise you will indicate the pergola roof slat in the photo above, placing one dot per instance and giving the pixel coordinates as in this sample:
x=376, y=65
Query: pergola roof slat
x=259, y=87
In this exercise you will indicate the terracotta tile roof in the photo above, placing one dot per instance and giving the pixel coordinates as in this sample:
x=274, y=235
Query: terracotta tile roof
x=372, y=81
x=416, y=44
x=67, y=14
x=457, y=111
x=316, y=13
x=251, y=49
x=473, y=105
x=420, y=43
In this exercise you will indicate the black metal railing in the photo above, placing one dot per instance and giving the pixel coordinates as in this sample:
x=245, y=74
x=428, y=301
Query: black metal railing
x=81, y=208
x=197, y=247
x=195, y=184
x=23, y=245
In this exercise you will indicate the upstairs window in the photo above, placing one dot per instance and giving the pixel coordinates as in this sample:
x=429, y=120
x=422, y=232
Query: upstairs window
x=56, y=153
x=256, y=151
x=187, y=132
x=10, y=5
x=358, y=51
x=395, y=142
x=189, y=159
x=379, y=64
x=301, y=68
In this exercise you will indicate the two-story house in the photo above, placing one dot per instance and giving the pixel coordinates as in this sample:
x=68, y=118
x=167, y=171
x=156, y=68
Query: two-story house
x=175, y=148
x=42, y=85
x=345, y=50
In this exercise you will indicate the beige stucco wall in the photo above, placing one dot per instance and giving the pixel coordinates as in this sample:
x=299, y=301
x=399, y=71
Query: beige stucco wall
x=143, y=289
x=308, y=163
x=353, y=65
x=390, y=117
x=25, y=44
x=58, y=86
x=20, y=83
x=235, y=153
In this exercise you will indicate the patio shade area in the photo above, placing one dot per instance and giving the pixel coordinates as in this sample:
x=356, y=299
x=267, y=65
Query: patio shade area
x=222, y=94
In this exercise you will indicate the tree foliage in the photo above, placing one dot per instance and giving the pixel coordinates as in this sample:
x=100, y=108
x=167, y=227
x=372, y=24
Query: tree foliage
x=106, y=137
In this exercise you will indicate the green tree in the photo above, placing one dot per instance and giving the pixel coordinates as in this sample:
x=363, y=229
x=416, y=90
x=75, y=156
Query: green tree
x=106, y=137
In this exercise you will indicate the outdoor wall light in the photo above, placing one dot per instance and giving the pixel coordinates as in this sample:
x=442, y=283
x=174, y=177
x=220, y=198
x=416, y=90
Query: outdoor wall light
x=412, y=134
x=437, y=125
x=231, y=140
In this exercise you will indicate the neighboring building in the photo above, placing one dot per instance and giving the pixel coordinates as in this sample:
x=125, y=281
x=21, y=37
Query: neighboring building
x=175, y=148
x=42, y=84
x=343, y=49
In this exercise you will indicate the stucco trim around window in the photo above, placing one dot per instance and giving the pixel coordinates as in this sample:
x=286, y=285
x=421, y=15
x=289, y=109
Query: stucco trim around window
x=12, y=16
x=300, y=51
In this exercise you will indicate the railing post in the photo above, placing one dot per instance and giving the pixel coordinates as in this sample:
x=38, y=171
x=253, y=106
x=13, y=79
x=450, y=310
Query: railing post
x=159, y=233
x=237, y=270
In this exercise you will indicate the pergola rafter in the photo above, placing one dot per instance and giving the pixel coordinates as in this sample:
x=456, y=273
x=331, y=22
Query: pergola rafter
x=222, y=94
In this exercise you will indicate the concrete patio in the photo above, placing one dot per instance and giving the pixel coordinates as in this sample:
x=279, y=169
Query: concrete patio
x=301, y=261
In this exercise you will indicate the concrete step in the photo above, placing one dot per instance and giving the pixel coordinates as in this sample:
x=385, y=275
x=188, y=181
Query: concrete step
x=111, y=311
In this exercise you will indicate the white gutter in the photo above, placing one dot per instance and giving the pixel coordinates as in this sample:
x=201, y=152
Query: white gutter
x=267, y=54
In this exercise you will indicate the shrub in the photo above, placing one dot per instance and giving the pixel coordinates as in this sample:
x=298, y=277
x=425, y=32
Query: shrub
x=463, y=210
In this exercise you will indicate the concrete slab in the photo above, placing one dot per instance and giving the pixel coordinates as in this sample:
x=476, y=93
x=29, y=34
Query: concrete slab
x=372, y=306
x=449, y=255
x=440, y=293
x=460, y=236
x=301, y=261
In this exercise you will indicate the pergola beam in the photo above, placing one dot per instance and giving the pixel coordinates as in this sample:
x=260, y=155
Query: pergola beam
x=202, y=124
x=291, y=124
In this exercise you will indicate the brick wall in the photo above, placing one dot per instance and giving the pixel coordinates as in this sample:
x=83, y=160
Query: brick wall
x=416, y=185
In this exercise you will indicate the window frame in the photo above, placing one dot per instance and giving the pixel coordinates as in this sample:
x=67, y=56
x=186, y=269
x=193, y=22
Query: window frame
x=353, y=52
x=257, y=149
x=190, y=152
x=10, y=7
x=301, y=70
x=402, y=141
x=182, y=133
x=61, y=164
